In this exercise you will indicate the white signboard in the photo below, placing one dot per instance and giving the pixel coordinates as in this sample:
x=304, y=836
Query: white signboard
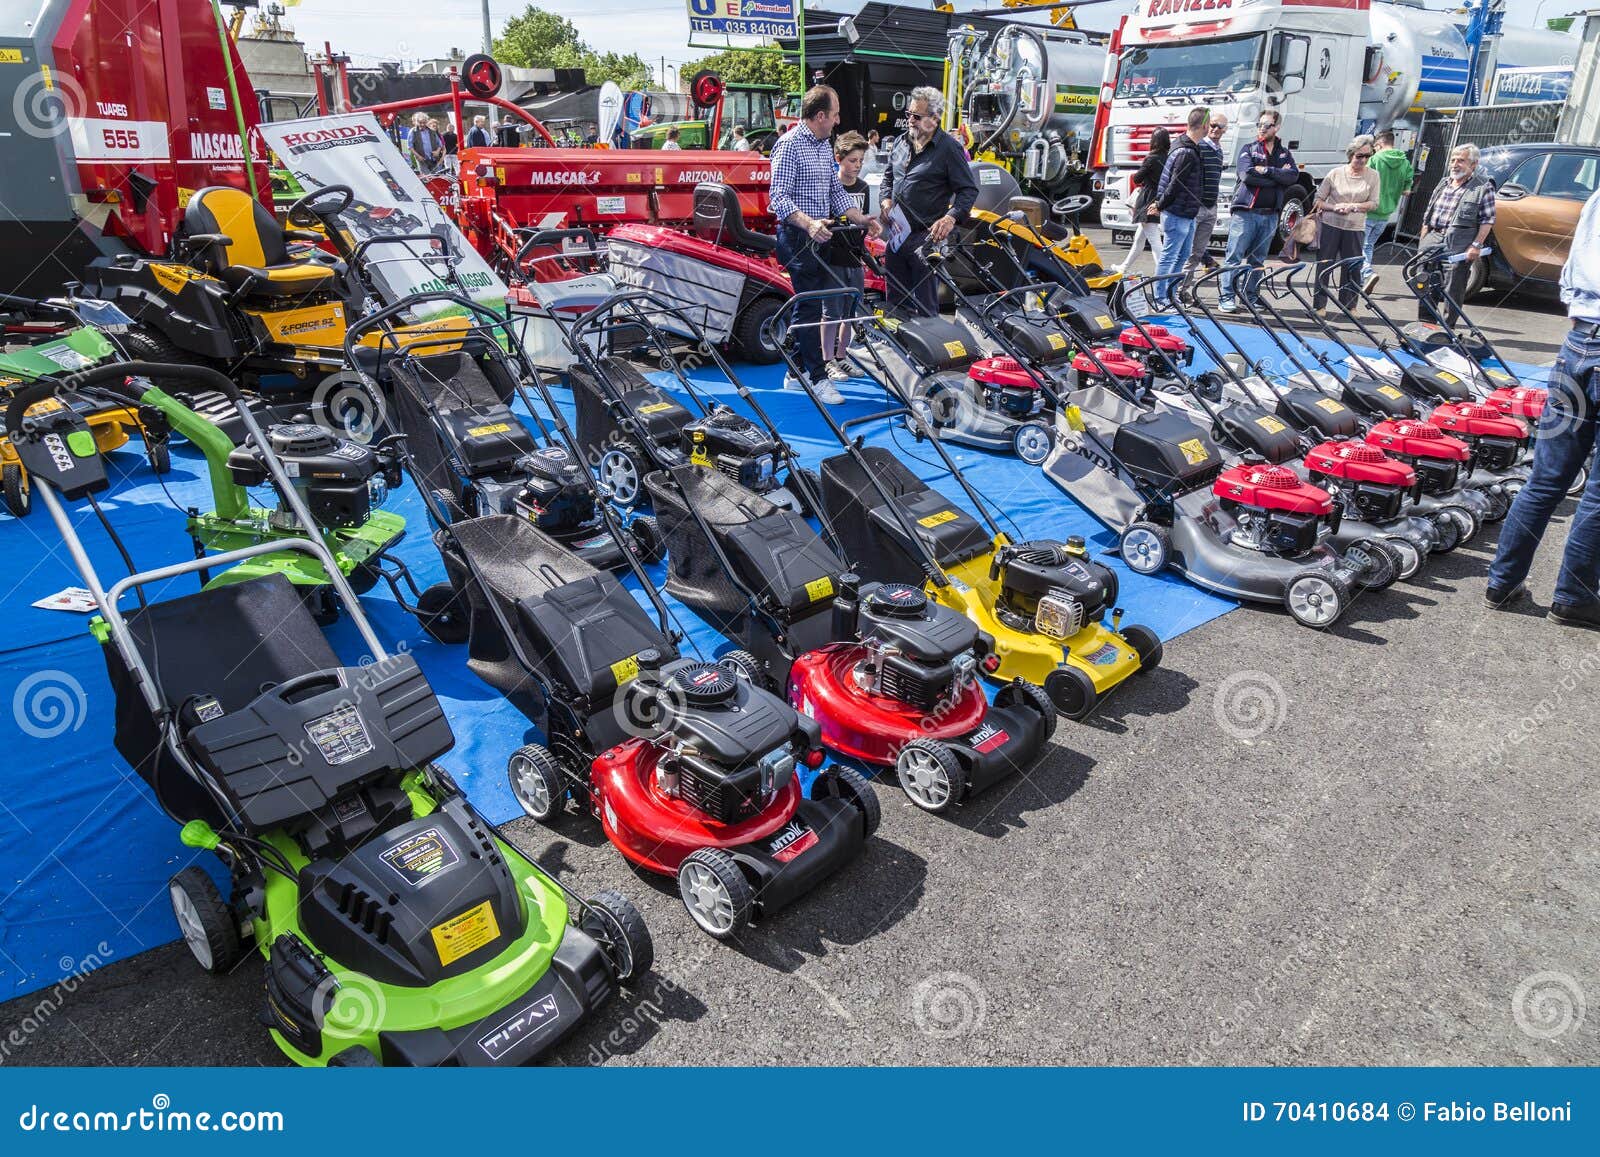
x=390, y=201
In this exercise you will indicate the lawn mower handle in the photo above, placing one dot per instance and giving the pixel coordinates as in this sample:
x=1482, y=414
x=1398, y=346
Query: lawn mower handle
x=537, y=238
x=607, y=308
x=112, y=376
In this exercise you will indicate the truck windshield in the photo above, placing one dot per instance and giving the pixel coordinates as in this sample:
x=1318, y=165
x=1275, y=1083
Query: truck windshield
x=1192, y=68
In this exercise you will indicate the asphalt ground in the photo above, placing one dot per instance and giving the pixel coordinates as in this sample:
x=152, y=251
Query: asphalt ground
x=1372, y=845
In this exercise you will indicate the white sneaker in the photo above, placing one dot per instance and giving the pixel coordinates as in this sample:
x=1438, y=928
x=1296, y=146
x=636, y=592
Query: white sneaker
x=828, y=394
x=838, y=371
x=790, y=382
x=1228, y=307
x=1370, y=284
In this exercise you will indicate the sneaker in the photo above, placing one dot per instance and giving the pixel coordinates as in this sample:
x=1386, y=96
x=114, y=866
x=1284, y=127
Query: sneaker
x=790, y=382
x=1500, y=599
x=1370, y=284
x=828, y=394
x=838, y=371
x=1228, y=307
x=1576, y=615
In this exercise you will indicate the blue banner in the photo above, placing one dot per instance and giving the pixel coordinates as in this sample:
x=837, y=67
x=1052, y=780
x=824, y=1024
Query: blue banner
x=769, y=19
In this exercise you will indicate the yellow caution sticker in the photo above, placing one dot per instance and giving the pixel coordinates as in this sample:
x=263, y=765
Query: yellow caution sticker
x=624, y=670
x=1057, y=342
x=1330, y=406
x=466, y=933
x=655, y=407
x=819, y=589
x=10, y=56
x=1390, y=392
x=699, y=457
x=1449, y=377
x=1194, y=451
x=492, y=428
x=939, y=519
x=955, y=349
x=184, y=196
x=1500, y=376
x=47, y=406
x=1103, y=320
x=1270, y=424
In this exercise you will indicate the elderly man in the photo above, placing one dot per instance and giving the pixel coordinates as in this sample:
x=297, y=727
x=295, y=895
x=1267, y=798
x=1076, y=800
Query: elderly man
x=425, y=146
x=478, y=134
x=1459, y=217
x=805, y=196
x=931, y=182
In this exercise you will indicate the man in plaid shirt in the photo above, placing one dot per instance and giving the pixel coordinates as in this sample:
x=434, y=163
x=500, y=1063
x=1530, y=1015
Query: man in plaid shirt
x=805, y=196
x=1459, y=217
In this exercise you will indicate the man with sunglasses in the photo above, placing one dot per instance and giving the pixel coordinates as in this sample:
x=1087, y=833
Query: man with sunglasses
x=1266, y=172
x=931, y=182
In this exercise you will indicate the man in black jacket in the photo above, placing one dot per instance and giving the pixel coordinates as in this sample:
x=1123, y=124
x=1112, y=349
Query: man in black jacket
x=930, y=181
x=1179, y=197
x=1266, y=172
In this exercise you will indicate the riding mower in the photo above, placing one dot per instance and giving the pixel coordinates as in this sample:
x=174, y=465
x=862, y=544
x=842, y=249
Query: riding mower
x=1051, y=252
x=396, y=924
x=628, y=426
x=890, y=676
x=468, y=448
x=1041, y=601
x=43, y=338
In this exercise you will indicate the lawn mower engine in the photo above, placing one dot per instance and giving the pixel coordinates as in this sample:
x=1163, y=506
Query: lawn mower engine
x=1437, y=458
x=1005, y=387
x=1142, y=346
x=1122, y=374
x=1051, y=588
x=732, y=444
x=1525, y=402
x=1370, y=485
x=729, y=746
x=512, y=474
x=916, y=652
x=1496, y=440
x=340, y=481
x=1273, y=510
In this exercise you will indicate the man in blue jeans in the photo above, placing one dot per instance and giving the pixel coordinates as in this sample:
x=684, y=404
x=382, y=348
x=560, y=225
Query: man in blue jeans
x=1566, y=443
x=1179, y=197
x=1266, y=172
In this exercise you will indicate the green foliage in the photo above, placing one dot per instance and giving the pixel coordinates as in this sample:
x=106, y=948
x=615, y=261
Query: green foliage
x=738, y=66
x=540, y=39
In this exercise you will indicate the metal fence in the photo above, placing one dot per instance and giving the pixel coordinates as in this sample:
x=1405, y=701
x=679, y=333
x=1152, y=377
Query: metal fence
x=1486, y=126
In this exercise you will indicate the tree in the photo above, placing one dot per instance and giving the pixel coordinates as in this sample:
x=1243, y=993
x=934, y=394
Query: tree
x=742, y=66
x=540, y=39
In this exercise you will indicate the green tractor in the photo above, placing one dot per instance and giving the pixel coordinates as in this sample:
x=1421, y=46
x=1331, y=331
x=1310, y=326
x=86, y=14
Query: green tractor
x=715, y=108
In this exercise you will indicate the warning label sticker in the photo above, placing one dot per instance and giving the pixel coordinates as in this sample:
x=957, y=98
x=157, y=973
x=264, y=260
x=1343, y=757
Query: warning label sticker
x=466, y=933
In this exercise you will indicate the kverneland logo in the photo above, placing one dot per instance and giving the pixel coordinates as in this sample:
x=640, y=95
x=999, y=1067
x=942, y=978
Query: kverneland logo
x=1178, y=7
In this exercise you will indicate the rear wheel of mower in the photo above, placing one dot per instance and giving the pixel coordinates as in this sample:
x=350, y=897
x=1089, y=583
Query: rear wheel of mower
x=850, y=785
x=1466, y=522
x=1145, y=547
x=716, y=893
x=1449, y=531
x=206, y=921
x=931, y=775
x=354, y=1057
x=747, y=335
x=442, y=615
x=1034, y=697
x=1032, y=442
x=1379, y=567
x=622, y=472
x=1408, y=554
x=1499, y=502
x=1578, y=483
x=1316, y=599
x=618, y=926
x=1145, y=641
x=813, y=485
x=644, y=537
x=536, y=782
x=745, y=665
x=363, y=577
x=1072, y=692
x=17, y=490
x=148, y=345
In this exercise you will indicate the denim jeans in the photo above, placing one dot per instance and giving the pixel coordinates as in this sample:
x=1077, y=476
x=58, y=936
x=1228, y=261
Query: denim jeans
x=1566, y=440
x=800, y=256
x=1249, y=237
x=1369, y=243
x=1177, y=235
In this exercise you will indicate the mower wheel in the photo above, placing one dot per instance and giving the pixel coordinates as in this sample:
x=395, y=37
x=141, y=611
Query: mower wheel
x=813, y=483
x=931, y=775
x=1449, y=531
x=1579, y=483
x=1379, y=566
x=148, y=345
x=1500, y=501
x=442, y=616
x=1408, y=554
x=1034, y=697
x=206, y=921
x=745, y=665
x=363, y=577
x=1316, y=598
x=716, y=893
x=747, y=335
x=1072, y=691
x=1032, y=442
x=536, y=782
x=646, y=540
x=1466, y=521
x=622, y=470
x=1145, y=641
x=159, y=455
x=16, y=489
x=1145, y=547
x=619, y=927
x=354, y=1057
x=848, y=784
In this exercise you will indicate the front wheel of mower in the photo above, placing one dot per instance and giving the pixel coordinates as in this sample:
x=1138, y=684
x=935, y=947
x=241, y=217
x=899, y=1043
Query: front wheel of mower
x=354, y=1057
x=646, y=541
x=17, y=490
x=206, y=921
x=747, y=331
x=848, y=784
x=931, y=775
x=1449, y=531
x=1034, y=697
x=536, y=782
x=619, y=928
x=1578, y=483
x=1072, y=692
x=1379, y=567
x=1316, y=599
x=1145, y=547
x=622, y=470
x=363, y=577
x=1467, y=523
x=716, y=893
x=442, y=615
x=1409, y=554
x=1145, y=641
x=159, y=455
x=1032, y=442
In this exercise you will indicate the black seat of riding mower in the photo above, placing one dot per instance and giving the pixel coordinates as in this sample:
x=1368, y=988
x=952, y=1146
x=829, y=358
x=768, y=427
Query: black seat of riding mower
x=578, y=623
x=266, y=706
x=775, y=550
x=719, y=219
x=871, y=533
x=937, y=343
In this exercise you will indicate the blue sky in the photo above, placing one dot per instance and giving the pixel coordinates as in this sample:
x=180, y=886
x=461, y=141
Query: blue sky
x=372, y=30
